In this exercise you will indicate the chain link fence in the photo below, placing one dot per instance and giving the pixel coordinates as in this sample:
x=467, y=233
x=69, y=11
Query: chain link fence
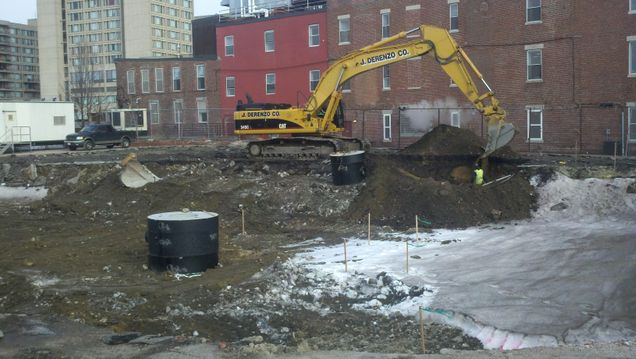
x=590, y=129
x=190, y=123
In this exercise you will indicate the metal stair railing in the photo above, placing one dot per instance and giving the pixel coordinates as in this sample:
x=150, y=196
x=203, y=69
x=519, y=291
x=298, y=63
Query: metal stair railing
x=15, y=135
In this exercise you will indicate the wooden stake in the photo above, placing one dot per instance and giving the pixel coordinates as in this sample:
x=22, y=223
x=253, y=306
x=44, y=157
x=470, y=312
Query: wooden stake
x=345, y=255
x=615, y=144
x=417, y=229
x=242, y=221
x=422, y=331
x=407, y=256
x=369, y=229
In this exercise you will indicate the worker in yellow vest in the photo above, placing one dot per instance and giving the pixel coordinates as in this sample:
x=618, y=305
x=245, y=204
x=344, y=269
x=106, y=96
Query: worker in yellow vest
x=479, y=175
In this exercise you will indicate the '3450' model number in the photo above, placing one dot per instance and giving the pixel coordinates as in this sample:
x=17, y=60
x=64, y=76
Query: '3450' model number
x=247, y=127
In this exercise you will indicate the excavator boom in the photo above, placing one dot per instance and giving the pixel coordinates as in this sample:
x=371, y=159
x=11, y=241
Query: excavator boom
x=322, y=115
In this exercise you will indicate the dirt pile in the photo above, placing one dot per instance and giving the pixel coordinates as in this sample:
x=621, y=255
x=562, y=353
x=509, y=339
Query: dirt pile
x=432, y=179
x=445, y=141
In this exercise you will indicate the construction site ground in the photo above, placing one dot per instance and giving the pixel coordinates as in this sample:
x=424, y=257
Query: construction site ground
x=74, y=264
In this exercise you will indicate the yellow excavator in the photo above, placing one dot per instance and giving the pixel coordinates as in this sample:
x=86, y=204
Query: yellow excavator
x=322, y=116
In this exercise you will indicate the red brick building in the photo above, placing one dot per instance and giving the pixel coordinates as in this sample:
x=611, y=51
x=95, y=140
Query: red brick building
x=565, y=74
x=275, y=59
x=180, y=94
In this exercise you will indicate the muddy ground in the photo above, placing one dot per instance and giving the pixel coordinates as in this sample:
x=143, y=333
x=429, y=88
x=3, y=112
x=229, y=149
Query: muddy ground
x=80, y=253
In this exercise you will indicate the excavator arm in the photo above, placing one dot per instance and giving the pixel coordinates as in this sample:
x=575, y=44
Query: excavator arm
x=317, y=116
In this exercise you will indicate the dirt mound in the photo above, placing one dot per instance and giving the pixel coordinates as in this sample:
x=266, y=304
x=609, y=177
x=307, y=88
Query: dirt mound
x=447, y=140
x=399, y=188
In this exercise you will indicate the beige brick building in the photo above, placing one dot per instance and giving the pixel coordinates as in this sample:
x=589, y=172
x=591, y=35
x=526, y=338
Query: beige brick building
x=80, y=40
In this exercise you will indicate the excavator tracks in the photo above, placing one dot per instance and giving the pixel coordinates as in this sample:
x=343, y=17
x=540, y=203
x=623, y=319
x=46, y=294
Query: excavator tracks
x=304, y=147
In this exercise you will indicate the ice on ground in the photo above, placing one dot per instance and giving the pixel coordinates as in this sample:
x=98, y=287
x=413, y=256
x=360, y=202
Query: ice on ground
x=22, y=194
x=566, y=275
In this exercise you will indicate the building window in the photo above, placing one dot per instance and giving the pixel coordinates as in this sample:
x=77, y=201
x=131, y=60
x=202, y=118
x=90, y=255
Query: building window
x=201, y=77
x=533, y=11
x=454, y=119
x=130, y=79
x=387, y=127
x=59, y=120
x=178, y=111
x=343, y=30
x=145, y=81
x=154, y=112
x=534, y=60
x=346, y=86
x=269, y=40
x=631, y=120
x=386, y=78
x=270, y=84
x=314, y=35
x=453, y=7
x=632, y=6
x=230, y=86
x=159, y=79
x=314, y=78
x=535, y=124
x=229, y=45
x=632, y=55
x=176, y=79
x=386, y=22
x=202, y=109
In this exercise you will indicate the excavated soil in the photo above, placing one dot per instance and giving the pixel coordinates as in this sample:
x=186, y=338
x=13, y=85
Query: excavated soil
x=79, y=254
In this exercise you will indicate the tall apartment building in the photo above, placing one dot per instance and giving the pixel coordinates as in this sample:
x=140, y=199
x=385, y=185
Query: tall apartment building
x=19, y=77
x=80, y=40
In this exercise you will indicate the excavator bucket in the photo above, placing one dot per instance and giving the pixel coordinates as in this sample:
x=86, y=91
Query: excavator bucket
x=500, y=133
x=134, y=174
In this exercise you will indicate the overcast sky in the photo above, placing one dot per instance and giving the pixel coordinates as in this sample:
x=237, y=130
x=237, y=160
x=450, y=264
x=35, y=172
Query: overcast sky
x=21, y=10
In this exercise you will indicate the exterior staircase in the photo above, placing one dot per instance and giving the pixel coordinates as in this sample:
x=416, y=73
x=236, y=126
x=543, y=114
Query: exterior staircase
x=14, y=136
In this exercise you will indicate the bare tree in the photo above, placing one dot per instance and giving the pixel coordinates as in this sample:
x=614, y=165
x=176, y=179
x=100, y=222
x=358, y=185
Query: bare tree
x=86, y=84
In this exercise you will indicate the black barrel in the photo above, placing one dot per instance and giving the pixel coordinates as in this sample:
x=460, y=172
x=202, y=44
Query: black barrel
x=347, y=168
x=183, y=242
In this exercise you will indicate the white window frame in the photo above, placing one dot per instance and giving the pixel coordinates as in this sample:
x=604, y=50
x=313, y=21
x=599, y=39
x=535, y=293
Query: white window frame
x=529, y=110
x=386, y=126
x=174, y=79
x=201, y=110
x=529, y=22
x=269, y=47
x=631, y=122
x=159, y=79
x=269, y=76
x=199, y=76
x=631, y=56
x=145, y=80
x=229, y=93
x=154, y=112
x=178, y=110
x=632, y=7
x=346, y=86
x=314, y=38
x=385, y=21
x=130, y=81
x=226, y=41
x=529, y=49
x=386, y=78
x=455, y=119
x=314, y=78
x=341, y=21
x=453, y=4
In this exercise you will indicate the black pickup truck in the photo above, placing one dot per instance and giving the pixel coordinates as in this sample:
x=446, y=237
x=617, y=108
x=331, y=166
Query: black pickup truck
x=99, y=134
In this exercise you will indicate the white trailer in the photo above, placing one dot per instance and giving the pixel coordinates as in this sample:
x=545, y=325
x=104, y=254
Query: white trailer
x=35, y=123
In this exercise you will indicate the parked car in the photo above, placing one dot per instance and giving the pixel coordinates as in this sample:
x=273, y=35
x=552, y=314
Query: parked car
x=99, y=134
